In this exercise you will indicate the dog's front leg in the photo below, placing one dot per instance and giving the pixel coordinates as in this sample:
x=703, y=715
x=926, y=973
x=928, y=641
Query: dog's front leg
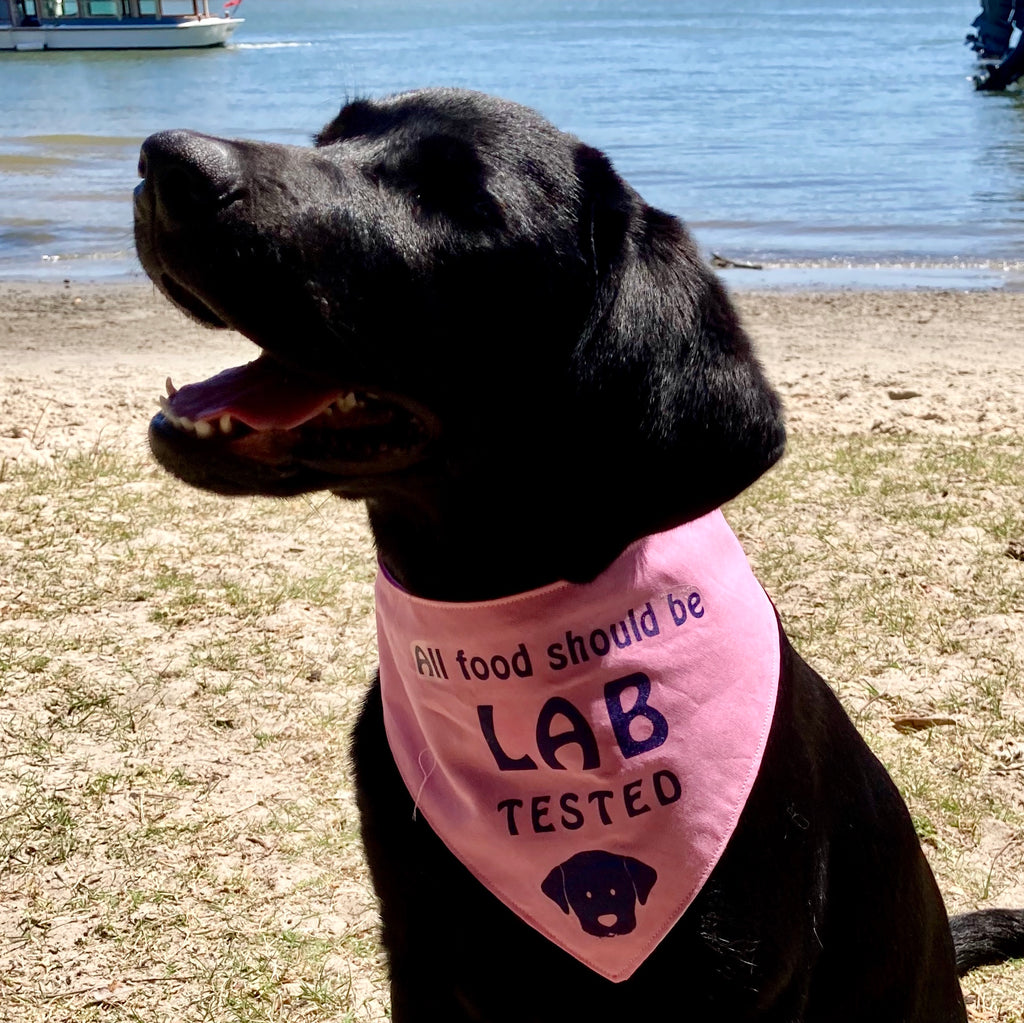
x=421, y=887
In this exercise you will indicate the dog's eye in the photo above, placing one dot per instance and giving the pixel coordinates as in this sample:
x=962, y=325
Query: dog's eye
x=444, y=176
x=611, y=891
x=590, y=895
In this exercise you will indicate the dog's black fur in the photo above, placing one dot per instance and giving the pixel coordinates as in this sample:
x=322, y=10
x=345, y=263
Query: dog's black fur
x=556, y=374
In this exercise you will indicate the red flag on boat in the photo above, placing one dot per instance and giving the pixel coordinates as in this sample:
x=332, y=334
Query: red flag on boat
x=232, y=3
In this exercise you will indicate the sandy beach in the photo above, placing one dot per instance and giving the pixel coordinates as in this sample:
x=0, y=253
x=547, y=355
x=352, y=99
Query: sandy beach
x=83, y=364
x=906, y=412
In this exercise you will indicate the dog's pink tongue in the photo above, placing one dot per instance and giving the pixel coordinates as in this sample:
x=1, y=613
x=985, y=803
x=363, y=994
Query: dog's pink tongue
x=261, y=394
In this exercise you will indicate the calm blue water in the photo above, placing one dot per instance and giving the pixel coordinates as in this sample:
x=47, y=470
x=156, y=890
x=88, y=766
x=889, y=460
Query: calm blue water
x=787, y=131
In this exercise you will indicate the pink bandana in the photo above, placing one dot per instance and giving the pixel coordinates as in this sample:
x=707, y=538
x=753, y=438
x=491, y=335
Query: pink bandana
x=586, y=750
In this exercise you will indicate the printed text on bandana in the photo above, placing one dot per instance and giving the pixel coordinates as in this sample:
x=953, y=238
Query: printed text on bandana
x=565, y=735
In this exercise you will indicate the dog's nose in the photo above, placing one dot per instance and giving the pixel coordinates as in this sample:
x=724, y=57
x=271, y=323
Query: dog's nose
x=186, y=175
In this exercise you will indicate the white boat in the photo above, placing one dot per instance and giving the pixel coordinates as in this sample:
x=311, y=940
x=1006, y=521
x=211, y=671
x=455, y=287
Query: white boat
x=113, y=24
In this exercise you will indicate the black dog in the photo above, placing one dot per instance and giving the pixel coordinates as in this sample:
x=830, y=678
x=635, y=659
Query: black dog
x=469, y=321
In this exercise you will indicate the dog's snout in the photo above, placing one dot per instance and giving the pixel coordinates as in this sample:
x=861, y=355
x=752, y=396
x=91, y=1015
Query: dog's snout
x=187, y=175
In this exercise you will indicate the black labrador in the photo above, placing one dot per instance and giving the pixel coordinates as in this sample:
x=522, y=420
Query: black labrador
x=470, y=322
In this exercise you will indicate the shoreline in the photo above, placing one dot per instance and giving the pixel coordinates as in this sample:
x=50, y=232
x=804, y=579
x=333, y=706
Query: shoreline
x=774, y=275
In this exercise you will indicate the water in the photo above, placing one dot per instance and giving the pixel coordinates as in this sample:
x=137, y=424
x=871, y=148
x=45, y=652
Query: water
x=798, y=133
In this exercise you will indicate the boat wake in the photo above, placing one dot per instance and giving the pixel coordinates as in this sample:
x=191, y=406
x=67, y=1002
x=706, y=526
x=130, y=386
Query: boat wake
x=268, y=46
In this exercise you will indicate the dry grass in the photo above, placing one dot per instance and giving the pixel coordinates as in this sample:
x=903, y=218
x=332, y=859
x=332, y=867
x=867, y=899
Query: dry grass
x=178, y=674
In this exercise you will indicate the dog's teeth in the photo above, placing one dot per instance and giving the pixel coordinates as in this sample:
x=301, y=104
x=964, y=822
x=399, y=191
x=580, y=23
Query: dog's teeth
x=347, y=403
x=165, y=407
x=204, y=430
x=186, y=424
x=225, y=423
x=171, y=389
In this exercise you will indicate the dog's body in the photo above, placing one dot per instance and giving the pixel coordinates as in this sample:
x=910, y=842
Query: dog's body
x=474, y=325
x=822, y=907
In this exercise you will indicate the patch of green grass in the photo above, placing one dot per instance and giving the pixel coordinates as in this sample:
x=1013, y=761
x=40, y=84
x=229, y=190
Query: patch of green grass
x=37, y=828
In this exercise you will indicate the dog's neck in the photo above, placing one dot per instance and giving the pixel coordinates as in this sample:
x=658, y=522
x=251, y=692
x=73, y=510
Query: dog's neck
x=455, y=548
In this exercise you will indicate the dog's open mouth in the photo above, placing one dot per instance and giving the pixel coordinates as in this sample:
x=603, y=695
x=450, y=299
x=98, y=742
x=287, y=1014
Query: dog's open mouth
x=265, y=421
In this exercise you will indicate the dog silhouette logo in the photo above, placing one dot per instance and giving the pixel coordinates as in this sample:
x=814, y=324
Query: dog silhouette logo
x=602, y=889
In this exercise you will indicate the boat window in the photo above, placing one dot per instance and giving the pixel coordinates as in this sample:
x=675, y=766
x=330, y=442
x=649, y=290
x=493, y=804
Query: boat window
x=147, y=6
x=103, y=8
x=28, y=8
x=59, y=8
x=177, y=8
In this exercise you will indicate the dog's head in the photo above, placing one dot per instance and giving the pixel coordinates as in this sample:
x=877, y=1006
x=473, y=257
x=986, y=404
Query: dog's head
x=602, y=889
x=457, y=307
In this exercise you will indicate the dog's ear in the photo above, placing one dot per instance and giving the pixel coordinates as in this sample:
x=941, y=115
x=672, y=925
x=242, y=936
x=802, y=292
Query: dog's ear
x=642, y=876
x=553, y=886
x=665, y=372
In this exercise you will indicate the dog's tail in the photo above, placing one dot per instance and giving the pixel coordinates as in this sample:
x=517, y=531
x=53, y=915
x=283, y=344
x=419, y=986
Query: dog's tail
x=986, y=937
